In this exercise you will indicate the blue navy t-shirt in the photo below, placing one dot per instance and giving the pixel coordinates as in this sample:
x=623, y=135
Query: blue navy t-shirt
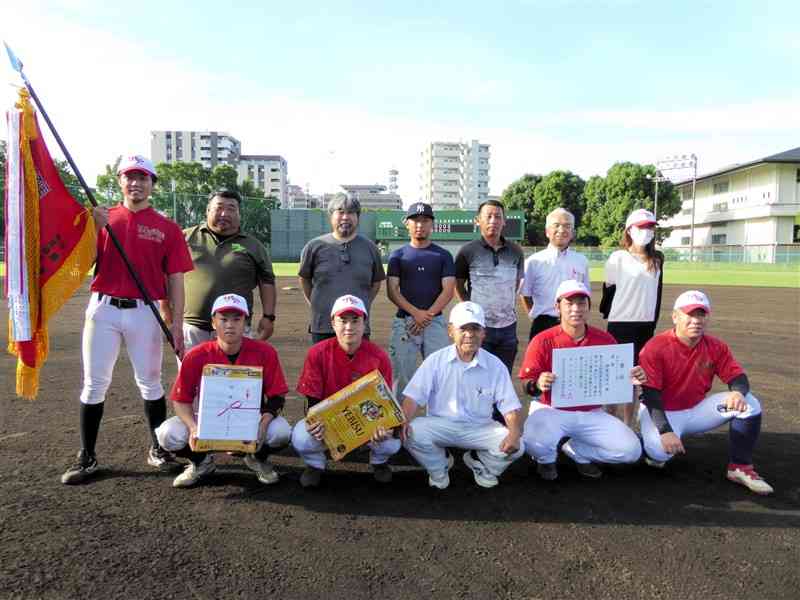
x=420, y=271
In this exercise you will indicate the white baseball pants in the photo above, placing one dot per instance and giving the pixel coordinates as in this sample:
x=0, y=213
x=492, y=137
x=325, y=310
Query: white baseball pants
x=104, y=330
x=595, y=436
x=312, y=451
x=429, y=437
x=703, y=417
x=173, y=434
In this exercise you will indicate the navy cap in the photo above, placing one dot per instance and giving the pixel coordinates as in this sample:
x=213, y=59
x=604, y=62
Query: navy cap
x=419, y=209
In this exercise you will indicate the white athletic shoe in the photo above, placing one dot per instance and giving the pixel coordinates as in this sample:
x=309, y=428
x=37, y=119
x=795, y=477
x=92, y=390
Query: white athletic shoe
x=439, y=481
x=656, y=464
x=265, y=472
x=482, y=475
x=745, y=475
x=192, y=473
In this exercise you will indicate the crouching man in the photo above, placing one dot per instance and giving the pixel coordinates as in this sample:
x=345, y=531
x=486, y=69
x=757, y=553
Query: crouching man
x=179, y=433
x=595, y=436
x=681, y=364
x=331, y=365
x=460, y=385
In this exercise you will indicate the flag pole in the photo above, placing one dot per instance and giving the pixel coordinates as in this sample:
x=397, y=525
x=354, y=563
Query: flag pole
x=16, y=64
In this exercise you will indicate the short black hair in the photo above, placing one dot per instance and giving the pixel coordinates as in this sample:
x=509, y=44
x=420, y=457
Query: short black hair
x=226, y=193
x=492, y=202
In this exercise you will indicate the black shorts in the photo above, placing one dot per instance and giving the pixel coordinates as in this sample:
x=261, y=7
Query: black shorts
x=542, y=323
x=632, y=332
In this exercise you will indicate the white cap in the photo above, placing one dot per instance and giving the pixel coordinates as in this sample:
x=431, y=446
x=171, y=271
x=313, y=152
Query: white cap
x=691, y=300
x=572, y=287
x=348, y=303
x=465, y=313
x=228, y=302
x=136, y=163
x=640, y=217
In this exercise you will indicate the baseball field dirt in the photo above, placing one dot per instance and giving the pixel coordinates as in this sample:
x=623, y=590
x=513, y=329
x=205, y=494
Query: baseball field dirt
x=684, y=532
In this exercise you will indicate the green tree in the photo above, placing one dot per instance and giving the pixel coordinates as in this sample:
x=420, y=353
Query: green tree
x=556, y=189
x=108, y=184
x=625, y=188
x=520, y=196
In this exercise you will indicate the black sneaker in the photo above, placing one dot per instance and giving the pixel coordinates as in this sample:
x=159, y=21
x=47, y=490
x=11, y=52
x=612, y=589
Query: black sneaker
x=547, y=471
x=589, y=470
x=81, y=470
x=161, y=459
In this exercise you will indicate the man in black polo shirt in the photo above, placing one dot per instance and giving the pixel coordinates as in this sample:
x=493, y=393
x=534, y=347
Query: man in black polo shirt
x=226, y=261
x=488, y=272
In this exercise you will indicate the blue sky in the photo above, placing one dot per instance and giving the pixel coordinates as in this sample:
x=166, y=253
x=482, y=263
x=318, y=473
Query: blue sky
x=347, y=90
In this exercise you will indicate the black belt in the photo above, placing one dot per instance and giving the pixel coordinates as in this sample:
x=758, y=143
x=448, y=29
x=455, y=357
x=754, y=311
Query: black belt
x=119, y=302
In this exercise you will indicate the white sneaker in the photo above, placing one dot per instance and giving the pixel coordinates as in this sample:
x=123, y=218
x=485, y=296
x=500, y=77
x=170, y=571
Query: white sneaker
x=193, y=473
x=745, y=475
x=656, y=464
x=440, y=480
x=265, y=472
x=482, y=475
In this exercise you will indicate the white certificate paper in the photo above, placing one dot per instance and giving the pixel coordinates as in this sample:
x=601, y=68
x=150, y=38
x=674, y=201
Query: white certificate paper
x=592, y=375
x=230, y=403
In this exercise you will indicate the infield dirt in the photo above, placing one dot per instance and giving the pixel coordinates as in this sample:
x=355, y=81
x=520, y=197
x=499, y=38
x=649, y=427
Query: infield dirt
x=683, y=532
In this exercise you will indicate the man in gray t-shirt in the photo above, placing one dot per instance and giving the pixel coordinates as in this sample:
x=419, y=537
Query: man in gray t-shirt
x=338, y=263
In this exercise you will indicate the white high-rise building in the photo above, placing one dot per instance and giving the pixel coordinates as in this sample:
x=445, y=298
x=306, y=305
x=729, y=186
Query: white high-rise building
x=212, y=148
x=374, y=196
x=455, y=174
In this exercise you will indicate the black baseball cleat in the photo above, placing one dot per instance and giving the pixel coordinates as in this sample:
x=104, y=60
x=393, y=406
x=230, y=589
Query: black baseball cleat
x=547, y=471
x=161, y=459
x=81, y=470
x=589, y=470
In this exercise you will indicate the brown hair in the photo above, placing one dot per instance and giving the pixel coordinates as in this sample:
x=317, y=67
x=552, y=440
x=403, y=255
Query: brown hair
x=655, y=259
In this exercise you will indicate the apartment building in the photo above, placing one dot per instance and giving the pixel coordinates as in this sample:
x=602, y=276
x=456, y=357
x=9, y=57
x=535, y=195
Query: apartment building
x=374, y=196
x=267, y=171
x=455, y=175
x=755, y=204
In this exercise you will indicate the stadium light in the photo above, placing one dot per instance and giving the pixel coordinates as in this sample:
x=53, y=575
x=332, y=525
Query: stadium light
x=682, y=162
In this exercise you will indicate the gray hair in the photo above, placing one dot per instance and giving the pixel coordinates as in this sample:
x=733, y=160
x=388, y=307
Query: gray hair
x=559, y=211
x=345, y=203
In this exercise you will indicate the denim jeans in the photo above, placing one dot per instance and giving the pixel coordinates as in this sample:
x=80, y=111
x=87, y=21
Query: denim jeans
x=405, y=347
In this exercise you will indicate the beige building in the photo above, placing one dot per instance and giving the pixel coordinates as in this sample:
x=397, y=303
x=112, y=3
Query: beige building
x=754, y=205
x=374, y=196
x=455, y=175
x=267, y=171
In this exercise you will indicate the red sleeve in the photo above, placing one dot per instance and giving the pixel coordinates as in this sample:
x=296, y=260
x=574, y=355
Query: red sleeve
x=650, y=361
x=274, y=381
x=310, y=382
x=187, y=384
x=178, y=259
x=535, y=361
x=726, y=366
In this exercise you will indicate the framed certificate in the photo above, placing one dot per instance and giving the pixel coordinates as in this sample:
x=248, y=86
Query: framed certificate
x=592, y=375
x=230, y=408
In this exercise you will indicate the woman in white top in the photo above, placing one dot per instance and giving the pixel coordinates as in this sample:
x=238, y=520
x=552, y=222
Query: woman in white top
x=632, y=289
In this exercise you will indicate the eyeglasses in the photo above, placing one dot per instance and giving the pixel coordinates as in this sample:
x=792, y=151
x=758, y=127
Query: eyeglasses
x=344, y=253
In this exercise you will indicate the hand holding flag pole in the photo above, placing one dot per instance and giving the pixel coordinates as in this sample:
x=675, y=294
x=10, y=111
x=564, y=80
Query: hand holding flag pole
x=16, y=64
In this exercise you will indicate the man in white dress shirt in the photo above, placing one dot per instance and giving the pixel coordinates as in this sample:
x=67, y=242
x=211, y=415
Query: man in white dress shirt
x=549, y=268
x=459, y=385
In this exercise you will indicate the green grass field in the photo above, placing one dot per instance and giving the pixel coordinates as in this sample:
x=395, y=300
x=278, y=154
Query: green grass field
x=684, y=274
x=758, y=275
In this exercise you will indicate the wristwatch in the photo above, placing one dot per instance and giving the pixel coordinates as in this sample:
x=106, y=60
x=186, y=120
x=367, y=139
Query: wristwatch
x=269, y=317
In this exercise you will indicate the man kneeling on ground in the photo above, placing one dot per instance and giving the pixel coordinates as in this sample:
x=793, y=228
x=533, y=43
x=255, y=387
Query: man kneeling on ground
x=179, y=433
x=595, y=435
x=460, y=385
x=331, y=365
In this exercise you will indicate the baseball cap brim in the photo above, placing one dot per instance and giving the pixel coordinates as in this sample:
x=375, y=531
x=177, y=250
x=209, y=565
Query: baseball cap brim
x=137, y=168
x=572, y=293
x=690, y=307
x=229, y=308
x=350, y=309
x=642, y=222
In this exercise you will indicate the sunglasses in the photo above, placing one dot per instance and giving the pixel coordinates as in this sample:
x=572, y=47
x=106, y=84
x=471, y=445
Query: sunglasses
x=344, y=253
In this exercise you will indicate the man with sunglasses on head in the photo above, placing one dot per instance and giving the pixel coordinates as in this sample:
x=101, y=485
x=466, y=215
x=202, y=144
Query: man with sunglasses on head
x=226, y=261
x=339, y=263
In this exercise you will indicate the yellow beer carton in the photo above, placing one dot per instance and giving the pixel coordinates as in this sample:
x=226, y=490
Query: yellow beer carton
x=352, y=414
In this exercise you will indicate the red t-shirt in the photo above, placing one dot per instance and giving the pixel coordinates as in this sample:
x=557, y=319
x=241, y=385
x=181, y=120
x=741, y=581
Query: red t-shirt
x=153, y=244
x=252, y=354
x=539, y=355
x=328, y=368
x=684, y=375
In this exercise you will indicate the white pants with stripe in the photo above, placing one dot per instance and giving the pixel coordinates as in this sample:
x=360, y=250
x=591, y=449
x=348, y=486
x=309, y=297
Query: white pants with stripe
x=595, y=436
x=312, y=450
x=173, y=434
x=104, y=330
x=429, y=437
x=702, y=417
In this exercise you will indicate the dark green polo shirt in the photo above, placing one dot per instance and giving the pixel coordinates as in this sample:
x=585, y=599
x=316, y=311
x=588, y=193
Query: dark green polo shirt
x=236, y=264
